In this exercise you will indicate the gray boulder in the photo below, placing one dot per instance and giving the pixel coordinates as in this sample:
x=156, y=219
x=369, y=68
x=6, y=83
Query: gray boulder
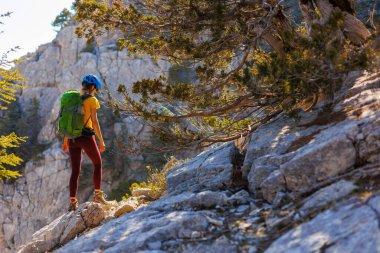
x=210, y=170
x=352, y=227
x=263, y=167
x=65, y=228
x=330, y=154
x=326, y=195
x=272, y=185
x=137, y=230
x=190, y=200
x=276, y=137
x=322, y=145
x=220, y=245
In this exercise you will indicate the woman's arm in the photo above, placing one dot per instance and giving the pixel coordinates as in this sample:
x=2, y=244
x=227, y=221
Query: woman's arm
x=65, y=146
x=95, y=124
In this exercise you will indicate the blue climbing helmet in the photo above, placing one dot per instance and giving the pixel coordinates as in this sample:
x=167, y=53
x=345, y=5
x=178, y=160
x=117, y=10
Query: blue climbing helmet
x=92, y=80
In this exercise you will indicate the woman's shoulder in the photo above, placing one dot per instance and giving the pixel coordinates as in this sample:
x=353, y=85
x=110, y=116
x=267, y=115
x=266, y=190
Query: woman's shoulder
x=93, y=98
x=90, y=98
x=92, y=102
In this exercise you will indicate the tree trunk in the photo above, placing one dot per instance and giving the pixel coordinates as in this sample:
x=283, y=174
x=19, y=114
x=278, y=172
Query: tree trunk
x=275, y=43
x=353, y=28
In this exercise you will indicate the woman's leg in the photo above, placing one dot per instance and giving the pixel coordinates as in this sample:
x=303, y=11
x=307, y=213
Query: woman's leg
x=76, y=159
x=91, y=149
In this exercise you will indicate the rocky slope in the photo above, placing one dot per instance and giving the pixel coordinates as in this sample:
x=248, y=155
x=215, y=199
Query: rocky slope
x=312, y=186
x=40, y=195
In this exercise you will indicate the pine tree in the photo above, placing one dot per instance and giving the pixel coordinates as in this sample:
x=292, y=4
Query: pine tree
x=62, y=19
x=9, y=118
x=251, y=61
x=9, y=159
x=9, y=80
x=31, y=114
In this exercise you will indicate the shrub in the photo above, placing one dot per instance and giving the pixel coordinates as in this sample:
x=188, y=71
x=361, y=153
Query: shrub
x=156, y=180
x=62, y=19
x=251, y=61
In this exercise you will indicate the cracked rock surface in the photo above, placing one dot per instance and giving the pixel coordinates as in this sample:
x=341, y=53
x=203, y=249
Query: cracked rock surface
x=65, y=228
x=316, y=191
x=293, y=156
x=351, y=227
x=41, y=195
x=298, y=197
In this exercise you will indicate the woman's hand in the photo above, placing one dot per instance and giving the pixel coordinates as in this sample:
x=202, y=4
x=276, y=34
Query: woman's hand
x=65, y=147
x=102, y=147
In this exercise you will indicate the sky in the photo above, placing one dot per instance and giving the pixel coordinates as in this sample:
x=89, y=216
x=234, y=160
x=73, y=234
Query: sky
x=29, y=25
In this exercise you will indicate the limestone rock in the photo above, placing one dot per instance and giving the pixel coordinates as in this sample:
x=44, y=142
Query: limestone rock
x=220, y=245
x=272, y=185
x=126, y=206
x=369, y=141
x=262, y=167
x=49, y=236
x=150, y=193
x=240, y=198
x=92, y=213
x=326, y=195
x=353, y=227
x=210, y=170
x=328, y=145
x=276, y=137
x=283, y=155
x=331, y=154
x=73, y=226
x=374, y=202
x=41, y=194
x=36, y=199
x=257, y=175
x=134, y=231
x=65, y=228
x=190, y=200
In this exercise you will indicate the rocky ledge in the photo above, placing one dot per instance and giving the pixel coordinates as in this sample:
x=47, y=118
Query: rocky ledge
x=311, y=185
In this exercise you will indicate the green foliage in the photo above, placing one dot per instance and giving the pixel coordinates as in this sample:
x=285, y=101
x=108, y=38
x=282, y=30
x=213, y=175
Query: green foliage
x=119, y=192
x=181, y=74
x=251, y=62
x=10, y=118
x=62, y=19
x=9, y=159
x=9, y=80
x=9, y=85
x=156, y=180
x=14, y=119
x=31, y=114
x=316, y=66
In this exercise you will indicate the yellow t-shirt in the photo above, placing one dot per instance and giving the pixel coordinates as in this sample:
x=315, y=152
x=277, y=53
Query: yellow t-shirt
x=88, y=104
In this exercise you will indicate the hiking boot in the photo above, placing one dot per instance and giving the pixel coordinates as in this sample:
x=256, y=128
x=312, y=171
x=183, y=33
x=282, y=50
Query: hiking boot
x=99, y=197
x=73, y=206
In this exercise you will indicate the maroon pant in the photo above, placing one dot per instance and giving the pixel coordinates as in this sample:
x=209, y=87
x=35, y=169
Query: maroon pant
x=88, y=144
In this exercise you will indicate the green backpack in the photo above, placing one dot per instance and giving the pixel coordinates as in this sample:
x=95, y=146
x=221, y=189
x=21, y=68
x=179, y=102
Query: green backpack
x=70, y=119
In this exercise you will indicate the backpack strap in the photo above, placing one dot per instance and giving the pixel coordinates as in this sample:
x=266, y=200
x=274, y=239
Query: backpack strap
x=87, y=122
x=84, y=97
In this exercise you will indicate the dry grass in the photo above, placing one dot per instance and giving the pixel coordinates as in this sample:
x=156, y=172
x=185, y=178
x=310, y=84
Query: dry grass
x=156, y=180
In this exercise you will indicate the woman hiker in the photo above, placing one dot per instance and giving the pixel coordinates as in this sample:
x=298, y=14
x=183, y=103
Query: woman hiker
x=86, y=142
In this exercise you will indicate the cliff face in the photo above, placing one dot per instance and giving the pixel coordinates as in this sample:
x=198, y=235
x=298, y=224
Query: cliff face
x=41, y=194
x=61, y=65
x=311, y=186
x=35, y=199
x=284, y=156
